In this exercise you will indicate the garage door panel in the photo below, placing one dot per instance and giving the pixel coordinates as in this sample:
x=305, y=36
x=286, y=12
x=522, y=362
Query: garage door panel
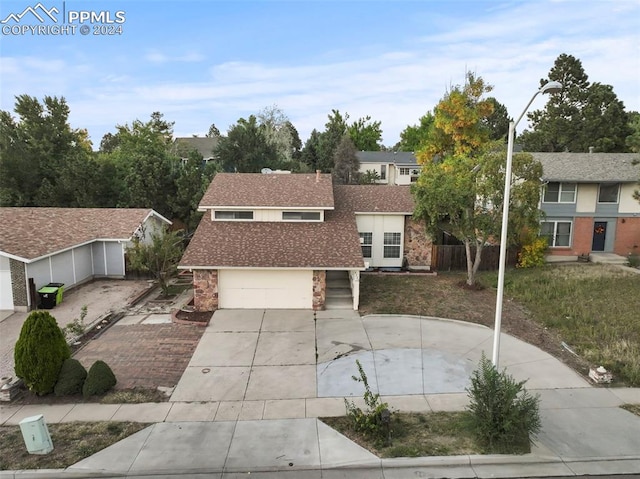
x=258, y=289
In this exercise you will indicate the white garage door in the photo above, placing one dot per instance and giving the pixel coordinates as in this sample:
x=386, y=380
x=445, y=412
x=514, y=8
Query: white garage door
x=6, y=293
x=269, y=289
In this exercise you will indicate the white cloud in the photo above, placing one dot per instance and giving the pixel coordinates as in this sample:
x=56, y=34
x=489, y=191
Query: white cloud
x=512, y=47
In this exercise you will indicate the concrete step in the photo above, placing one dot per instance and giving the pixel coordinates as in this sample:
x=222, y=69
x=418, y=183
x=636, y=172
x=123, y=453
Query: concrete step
x=338, y=283
x=338, y=293
x=608, y=258
x=337, y=275
x=338, y=303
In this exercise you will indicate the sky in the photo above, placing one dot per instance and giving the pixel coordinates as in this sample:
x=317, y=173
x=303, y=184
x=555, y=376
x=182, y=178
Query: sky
x=204, y=62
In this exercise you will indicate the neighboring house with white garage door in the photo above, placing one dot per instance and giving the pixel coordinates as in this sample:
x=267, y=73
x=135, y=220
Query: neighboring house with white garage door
x=271, y=240
x=65, y=245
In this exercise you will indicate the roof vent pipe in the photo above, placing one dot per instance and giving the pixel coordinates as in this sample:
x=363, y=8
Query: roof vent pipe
x=590, y=149
x=317, y=176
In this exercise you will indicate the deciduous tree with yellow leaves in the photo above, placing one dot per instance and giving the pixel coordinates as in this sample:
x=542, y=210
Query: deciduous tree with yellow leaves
x=460, y=189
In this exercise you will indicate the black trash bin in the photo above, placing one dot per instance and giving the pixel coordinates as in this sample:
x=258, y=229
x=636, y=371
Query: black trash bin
x=51, y=295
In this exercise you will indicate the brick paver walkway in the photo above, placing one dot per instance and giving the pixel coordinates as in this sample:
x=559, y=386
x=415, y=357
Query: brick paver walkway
x=144, y=355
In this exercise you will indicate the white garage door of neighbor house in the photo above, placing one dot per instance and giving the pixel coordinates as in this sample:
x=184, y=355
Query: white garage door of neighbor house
x=269, y=289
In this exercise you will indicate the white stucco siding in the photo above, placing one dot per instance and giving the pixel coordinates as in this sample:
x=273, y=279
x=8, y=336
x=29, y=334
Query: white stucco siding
x=62, y=268
x=628, y=204
x=115, y=258
x=378, y=225
x=269, y=289
x=40, y=271
x=377, y=167
x=587, y=197
x=97, y=253
x=6, y=291
x=82, y=263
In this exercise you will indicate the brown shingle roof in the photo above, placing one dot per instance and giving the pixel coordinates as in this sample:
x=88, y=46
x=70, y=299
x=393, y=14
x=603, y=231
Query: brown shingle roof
x=30, y=233
x=375, y=198
x=334, y=243
x=299, y=190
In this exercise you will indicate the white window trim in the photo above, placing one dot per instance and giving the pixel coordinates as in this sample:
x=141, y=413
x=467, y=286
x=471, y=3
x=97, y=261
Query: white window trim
x=370, y=245
x=560, y=190
x=253, y=215
x=617, y=201
x=398, y=245
x=294, y=220
x=555, y=232
x=405, y=171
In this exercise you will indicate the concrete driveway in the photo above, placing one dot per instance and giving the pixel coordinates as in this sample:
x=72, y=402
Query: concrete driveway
x=101, y=298
x=257, y=364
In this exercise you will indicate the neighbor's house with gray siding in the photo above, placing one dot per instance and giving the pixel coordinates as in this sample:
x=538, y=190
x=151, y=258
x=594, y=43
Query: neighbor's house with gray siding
x=65, y=245
x=588, y=202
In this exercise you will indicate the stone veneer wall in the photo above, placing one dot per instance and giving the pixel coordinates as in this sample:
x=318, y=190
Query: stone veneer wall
x=417, y=244
x=205, y=289
x=18, y=283
x=319, y=289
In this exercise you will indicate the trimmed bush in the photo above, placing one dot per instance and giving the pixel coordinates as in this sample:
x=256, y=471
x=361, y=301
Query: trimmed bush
x=100, y=379
x=39, y=352
x=71, y=378
x=504, y=416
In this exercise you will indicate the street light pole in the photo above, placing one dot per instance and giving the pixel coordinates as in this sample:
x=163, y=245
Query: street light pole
x=551, y=87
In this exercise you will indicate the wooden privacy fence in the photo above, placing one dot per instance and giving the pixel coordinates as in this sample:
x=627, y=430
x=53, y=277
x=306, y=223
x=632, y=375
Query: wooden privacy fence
x=454, y=257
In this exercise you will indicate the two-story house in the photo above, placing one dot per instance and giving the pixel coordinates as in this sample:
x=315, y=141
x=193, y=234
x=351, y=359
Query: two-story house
x=588, y=203
x=392, y=167
x=270, y=240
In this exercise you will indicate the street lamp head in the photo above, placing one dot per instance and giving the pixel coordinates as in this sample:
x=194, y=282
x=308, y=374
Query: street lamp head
x=551, y=87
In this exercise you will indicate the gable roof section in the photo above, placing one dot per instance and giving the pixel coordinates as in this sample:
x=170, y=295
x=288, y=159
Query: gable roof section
x=375, y=198
x=589, y=167
x=31, y=233
x=397, y=157
x=296, y=190
x=333, y=243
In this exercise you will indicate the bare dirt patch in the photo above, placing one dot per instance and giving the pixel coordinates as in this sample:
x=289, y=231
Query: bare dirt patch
x=441, y=296
x=72, y=442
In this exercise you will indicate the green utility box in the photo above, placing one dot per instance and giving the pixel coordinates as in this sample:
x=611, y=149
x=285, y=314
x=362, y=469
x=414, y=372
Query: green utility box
x=36, y=435
x=51, y=295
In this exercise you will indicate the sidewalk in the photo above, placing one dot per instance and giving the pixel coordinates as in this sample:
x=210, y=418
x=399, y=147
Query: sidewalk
x=247, y=429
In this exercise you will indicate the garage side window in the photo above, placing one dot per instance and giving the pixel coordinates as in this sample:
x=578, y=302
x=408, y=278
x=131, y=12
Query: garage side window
x=392, y=245
x=366, y=240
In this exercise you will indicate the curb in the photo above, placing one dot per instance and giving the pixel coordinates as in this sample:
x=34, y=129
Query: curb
x=436, y=462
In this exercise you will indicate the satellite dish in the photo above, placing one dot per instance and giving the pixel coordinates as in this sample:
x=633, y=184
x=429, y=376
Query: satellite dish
x=266, y=171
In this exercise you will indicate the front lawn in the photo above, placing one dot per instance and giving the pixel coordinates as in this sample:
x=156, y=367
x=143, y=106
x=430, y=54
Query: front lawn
x=72, y=442
x=592, y=308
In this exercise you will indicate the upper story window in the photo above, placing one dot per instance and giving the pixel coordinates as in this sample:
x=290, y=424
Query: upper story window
x=301, y=215
x=608, y=193
x=560, y=193
x=405, y=171
x=366, y=240
x=383, y=172
x=233, y=215
x=391, y=248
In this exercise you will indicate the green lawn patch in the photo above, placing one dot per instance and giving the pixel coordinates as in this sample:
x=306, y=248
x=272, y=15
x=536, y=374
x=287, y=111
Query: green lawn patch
x=594, y=308
x=72, y=442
